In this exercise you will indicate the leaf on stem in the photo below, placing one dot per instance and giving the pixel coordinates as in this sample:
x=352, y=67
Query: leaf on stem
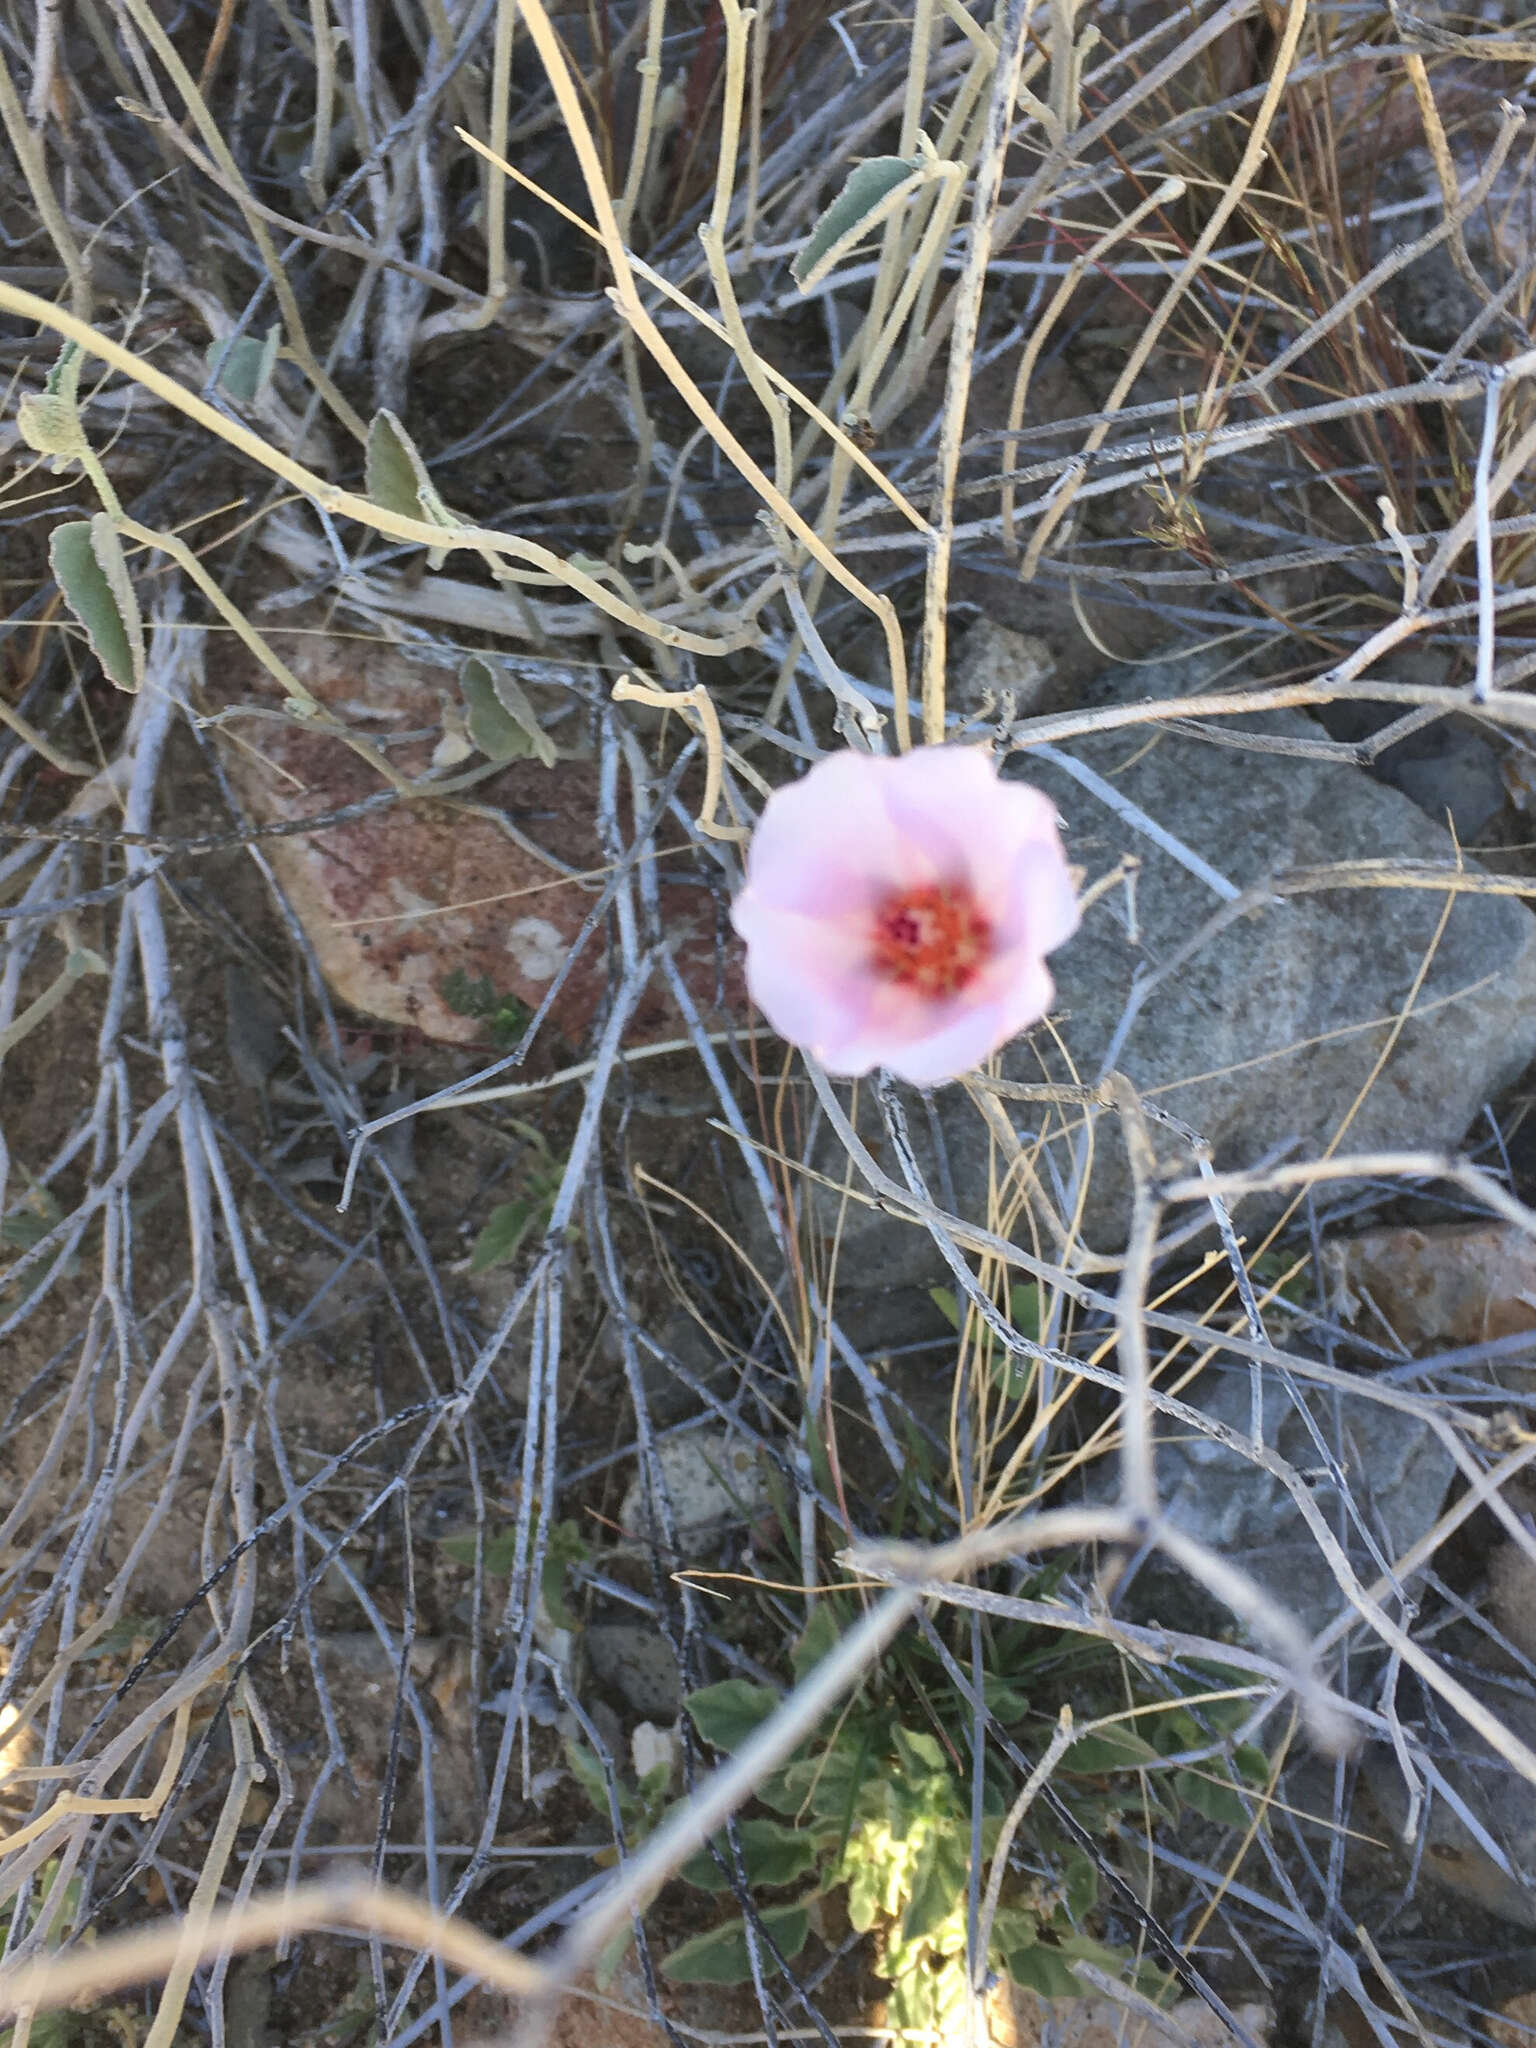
x=92, y=572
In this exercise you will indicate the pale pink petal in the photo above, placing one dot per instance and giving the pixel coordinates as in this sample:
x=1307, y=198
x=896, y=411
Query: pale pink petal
x=896, y=1022
x=962, y=1042
x=860, y=828
x=1030, y=812
x=1016, y=823
x=805, y=974
x=942, y=801
x=892, y=1016
x=827, y=841
x=926, y=1042
x=1042, y=911
x=973, y=826
x=1029, y=996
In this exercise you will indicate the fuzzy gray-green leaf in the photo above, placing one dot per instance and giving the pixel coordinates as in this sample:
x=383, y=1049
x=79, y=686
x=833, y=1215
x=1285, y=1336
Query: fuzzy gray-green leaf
x=244, y=364
x=846, y=221
x=396, y=478
x=771, y=1853
x=87, y=560
x=49, y=420
x=502, y=723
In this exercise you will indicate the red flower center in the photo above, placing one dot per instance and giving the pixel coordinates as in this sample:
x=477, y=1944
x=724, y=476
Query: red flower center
x=933, y=939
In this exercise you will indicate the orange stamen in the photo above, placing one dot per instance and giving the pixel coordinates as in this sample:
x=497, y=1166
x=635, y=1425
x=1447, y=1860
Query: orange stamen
x=932, y=939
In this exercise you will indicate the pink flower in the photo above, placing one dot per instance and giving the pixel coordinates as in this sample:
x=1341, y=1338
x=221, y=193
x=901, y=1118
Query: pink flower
x=897, y=912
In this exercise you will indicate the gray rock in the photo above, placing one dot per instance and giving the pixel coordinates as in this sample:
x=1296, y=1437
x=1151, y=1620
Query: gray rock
x=991, y=662
x=669, y=1396
x=1495, y=1795
x=1396, y=1472
x=1431, y=301
x=254, y=1023
x=1458, y=773
x=637, y=1662
x=1260, y=1031
x=712, y=1480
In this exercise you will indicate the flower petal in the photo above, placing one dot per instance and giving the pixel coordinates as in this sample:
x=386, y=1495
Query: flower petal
x=804, y=973
x=855, y=830
x=1042, y=911
x=1027, y=998
x=961, y=1042
x=942, y=802
x=827, y=842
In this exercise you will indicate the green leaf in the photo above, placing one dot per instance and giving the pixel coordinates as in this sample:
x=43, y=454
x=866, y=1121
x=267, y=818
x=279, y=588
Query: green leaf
x=938, y=1882
x=88, y=563
x=24, y=1229
x=1083, y=1948
x=1272, y=1267
x=396, y=478
x=655, y=1785
x=63, y=380
x=1219, y=1676
x=781, y=1792
x=1251, y=1764
x=504, y=1027
x=564, y=1547
x=247, y=365
x=118, y=1640
x=720, y=1956
x=851, y=1778
x=1225, y=1715
x=611, y=1954
x=1024, y=1310
x=51, y=426
x=929, y=2000
x=727, y=1713
x=947, y=1302
x=866, y=1895
x=1109, y=1749
x=919, y=1751
x=1045, y=1970
x=771, y=1853
x=588, y=1773
x=1012, y=1928
x=871, y=190
x=775, y=1854
x=836, y=1783
x=1004, y=1701
x=50, y=2030
x=505, y=1228
x=498, y=1556
x=504, y=1016
x=1174, y=1732
x=490, y=729
x=30, y=1222
x=49, y=420
x=1081, y=1885
x=468, y=996
x=502, y=722
x=1207, y=1795
x=820, y=1638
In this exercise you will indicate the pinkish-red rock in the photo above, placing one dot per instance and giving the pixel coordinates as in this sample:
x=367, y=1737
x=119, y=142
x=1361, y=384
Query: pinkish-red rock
x=397, y=901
